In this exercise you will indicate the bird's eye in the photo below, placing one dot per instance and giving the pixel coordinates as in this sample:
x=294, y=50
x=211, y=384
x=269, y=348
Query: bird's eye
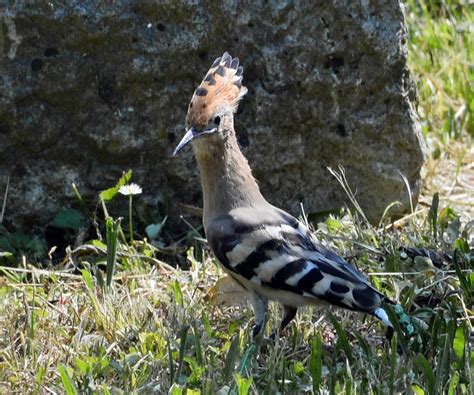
x=217, y=120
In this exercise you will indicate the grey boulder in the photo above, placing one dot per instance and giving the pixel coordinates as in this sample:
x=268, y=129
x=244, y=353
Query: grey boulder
x=89, y=89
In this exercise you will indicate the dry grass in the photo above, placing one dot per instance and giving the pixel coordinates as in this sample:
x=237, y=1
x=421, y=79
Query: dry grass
x=452, y=176
x=161, y=330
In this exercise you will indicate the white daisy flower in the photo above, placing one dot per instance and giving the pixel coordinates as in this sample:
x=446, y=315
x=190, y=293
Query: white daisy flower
x=130, y=189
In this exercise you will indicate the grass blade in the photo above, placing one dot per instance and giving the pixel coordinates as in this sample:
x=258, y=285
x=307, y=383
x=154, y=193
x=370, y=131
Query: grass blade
x=316, y=362
x=112, y=236
x=422, y=364
x=393, y=364
x=442, y=367
x=171, y=364
x=230, y=358
x=197, y=341
x=397, y=328
x=342, y=337
x=459, y=343
x=243, y=384
x=182, y=349
x=69, y=386
x=433, y=215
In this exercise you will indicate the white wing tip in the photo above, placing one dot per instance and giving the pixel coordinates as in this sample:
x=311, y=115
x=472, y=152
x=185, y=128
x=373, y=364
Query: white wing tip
x=382, y=316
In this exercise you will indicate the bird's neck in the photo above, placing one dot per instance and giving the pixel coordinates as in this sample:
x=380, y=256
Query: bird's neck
x=226, y=178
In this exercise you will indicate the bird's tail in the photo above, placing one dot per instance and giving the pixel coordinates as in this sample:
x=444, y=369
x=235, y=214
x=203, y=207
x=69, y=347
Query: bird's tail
x=382, y=315
x=406, y=324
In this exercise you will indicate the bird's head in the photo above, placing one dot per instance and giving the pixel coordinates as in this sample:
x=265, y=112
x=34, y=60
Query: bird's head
x=210, y=113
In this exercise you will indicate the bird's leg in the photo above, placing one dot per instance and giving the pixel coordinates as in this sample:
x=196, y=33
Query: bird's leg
x=389, y=333
x=260, y=307
x=288, y=315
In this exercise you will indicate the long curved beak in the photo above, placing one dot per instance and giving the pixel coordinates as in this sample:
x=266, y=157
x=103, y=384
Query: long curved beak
x=190, y=135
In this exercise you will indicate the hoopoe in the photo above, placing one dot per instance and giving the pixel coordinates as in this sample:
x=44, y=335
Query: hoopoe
x=266, y=250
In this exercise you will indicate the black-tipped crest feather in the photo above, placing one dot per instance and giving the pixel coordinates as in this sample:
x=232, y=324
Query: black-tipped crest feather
x=221, y=87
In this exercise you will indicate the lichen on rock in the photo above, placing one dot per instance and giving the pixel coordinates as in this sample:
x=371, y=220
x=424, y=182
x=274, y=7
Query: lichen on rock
x=90, y=89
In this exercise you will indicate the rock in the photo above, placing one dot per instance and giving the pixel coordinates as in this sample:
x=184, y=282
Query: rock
x=91, y=89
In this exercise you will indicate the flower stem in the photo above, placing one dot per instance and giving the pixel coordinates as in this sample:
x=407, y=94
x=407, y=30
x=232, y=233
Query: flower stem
x=130, y=226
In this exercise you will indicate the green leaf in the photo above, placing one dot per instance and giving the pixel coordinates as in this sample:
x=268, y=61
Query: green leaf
x=70, y=219
x=83, y=366
x=447, y=215
x=182, y=348
x=7, y=256
x=300, y=369
x=462, y=245
x=39, y=377
x=37, y=247
x=230, y=358
x=342, y=337
x=423, y=364
x=316, y=362
x=100, y=279
x=417, y=389
x=21, y=242
x=394, y=319
x=87, y=278
x=170, y=362
x=364, y=345
x=453, y=383
x=68, y=384
x=243, y=384
x=97, y=243
x=178, y=294
x=207, y=324
x=463, y=279
x=442, y=365
x=6, y=245
x=333, y=224
x=459, y=343
x=247, y=357
x=111, y=227
x=197, y=345
x=433, y=214
x=110, y=193
x=175, y=390
x=393, y=364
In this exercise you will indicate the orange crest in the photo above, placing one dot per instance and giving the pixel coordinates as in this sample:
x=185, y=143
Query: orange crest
x=220, y=90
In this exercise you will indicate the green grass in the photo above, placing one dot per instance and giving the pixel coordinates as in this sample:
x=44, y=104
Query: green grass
x=441, y=60
x=156, y=329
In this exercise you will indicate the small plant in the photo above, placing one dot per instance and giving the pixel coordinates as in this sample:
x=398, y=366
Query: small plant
x=130, y=190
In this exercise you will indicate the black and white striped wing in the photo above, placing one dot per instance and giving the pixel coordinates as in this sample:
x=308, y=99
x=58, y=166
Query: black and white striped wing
x=272, y=249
